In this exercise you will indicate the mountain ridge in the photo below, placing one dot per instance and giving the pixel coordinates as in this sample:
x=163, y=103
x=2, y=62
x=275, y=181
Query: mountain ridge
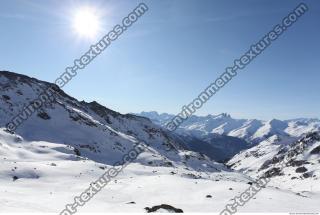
x=89, y=127
x=252, y=130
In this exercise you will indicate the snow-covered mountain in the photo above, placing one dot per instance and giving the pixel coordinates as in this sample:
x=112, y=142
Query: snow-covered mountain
x=245, y=132
x=301, y=171
x=251, y=130
x=66, y=145
x=273, y=150
x=97, y=132
x=70, y=140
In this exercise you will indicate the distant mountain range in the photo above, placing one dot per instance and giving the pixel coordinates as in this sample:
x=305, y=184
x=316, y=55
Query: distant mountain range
x=257, y=147
x=221, y=136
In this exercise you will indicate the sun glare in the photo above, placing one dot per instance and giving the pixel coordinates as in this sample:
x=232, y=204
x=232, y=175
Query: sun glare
x=86, y=22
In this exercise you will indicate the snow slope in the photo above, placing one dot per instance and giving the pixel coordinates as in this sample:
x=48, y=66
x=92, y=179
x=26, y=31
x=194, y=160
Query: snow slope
x=50, y=175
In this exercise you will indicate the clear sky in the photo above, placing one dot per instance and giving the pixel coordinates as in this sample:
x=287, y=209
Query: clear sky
x=171, y=54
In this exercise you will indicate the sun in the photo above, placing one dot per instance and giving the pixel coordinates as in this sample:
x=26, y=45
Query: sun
x=86, y=22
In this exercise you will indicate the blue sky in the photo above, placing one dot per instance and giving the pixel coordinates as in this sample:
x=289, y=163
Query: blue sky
x=171, y=54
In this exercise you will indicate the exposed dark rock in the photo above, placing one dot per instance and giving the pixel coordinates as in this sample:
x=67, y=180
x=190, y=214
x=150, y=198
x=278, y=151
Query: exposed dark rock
x=297, y=162
x=306, y=175
x=301, y=169
x=168, y=163
x=191, y=175
x=273, y=172
x=169, y=208
x=5, y=97
x=265, y=165
x=89, y=147
x=299, y=194
x=14, y=178
x=313, y=135
x=44, y=115
x=315, y=151
x=282, y=151
x=77, y=152
x=208, y=196
x=77, y=117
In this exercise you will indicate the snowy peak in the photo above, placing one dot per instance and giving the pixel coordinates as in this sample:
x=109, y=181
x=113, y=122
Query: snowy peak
x=270, y=128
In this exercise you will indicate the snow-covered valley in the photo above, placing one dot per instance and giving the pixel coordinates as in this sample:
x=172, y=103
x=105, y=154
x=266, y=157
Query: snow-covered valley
x=49, y=175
